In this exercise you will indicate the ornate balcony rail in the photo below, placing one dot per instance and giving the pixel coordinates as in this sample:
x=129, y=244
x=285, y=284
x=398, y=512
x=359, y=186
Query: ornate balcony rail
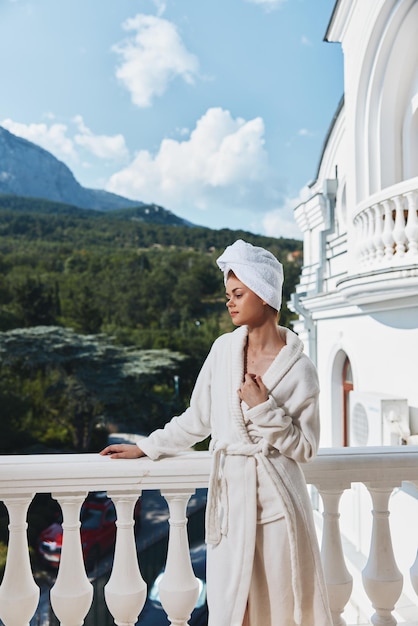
x=70, y=477
x=386, y=227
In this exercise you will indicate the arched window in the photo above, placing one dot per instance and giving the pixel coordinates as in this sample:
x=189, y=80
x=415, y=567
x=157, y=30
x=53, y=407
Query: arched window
x=347, y=386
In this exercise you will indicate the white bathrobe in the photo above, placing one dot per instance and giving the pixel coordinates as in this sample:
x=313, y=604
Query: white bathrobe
x=256, y=456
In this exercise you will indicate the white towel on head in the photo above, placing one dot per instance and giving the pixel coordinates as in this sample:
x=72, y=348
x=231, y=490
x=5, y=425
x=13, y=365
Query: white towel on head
x=257, y=268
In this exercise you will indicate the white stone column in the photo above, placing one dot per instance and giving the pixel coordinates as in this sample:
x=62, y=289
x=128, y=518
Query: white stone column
x=361, y=238
x=179, y=588
x=72, y=593
x=399, y=234
x=387, y=235
x=382, y=579
x=337, y=577
x=371, y=250
x=411, y=228
x=126, y=590
x=19, y=594
x=378, y=232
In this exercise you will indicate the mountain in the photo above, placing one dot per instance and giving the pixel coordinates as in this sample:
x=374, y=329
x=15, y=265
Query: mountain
x=12, y=205
x=30, y=171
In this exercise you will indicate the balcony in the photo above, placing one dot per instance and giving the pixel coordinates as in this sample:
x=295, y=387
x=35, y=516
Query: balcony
x=386, y=226
x=385, y=233
x=380, y=585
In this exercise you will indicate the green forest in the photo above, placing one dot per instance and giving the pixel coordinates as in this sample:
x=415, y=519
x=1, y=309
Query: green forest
x=106, y=318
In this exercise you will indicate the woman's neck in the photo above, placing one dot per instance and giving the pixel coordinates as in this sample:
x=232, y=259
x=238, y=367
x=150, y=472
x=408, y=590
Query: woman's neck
x=265, y=339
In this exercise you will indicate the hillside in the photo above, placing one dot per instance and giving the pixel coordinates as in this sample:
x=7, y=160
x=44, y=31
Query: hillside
x=83, y=293
x=28, y=170
x=50, y=223
x=115, y=272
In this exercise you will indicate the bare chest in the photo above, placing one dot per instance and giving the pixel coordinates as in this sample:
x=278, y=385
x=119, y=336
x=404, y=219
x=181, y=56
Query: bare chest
x=257, y=364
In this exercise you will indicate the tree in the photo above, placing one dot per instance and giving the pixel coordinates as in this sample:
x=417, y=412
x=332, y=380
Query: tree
x=79, y=383
x=36, y=302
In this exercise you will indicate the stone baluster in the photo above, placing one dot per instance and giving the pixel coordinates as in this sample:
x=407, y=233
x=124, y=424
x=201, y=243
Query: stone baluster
x=72, y=593
x=399, y=234
x=178, y=587
x=362, y=238
x=378, y=232
x=19, y=595
x=414, y=574
x=411, y=228
x=338, y=579
x=382, y=579
x=126, y=590
x=387, y=235
x=371, y=250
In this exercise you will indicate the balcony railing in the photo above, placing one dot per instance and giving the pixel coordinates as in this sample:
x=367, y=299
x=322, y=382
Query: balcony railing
x=70, y=477
x=386, y=227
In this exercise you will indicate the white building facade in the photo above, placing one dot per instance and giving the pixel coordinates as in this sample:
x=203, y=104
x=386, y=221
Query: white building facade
x=358, y=293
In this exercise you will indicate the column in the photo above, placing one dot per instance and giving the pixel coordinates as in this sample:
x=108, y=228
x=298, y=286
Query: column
x=126, y=590
x=411, y=228
x=19, y=594
x=378, y=232
x=382, y=579
x=387, y=235
x=337, y=577
x=179, y=587
x=399, y=228
x=72, y=593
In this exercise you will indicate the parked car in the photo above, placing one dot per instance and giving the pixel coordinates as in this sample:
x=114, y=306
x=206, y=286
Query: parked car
x=98, y=531
x=153, y=613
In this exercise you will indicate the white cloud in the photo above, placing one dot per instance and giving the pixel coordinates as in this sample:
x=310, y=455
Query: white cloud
x=52, y=138
x=304, y=132
x=281, y=222
x=268, y=5
x=109, y=147
x=222, y=165
x=63, y=143
x=152, y=57
x=160, y=6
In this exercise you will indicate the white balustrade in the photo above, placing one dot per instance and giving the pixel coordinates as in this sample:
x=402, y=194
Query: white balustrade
x=386, y=227
x=178, y=588
x=71, y=595
x=19, y=595
x=381, y=577
x=338, y=578
x=411, y=229
x=399, y=233
x=70, y=477
x=126, y=590
x=387, y=235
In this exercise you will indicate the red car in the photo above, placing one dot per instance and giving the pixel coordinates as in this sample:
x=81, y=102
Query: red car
x=98, y=531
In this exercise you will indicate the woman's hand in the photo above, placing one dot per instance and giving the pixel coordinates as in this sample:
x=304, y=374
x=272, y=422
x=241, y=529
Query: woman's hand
x=253, y=391
x=123, y=451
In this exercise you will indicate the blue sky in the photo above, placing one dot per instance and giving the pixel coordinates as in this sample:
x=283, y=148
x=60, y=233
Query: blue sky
x=214, y=109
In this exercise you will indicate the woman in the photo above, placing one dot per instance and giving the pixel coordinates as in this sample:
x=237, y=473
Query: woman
x=257, y=396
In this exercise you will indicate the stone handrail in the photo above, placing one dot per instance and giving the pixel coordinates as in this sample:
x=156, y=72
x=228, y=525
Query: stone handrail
x=386, y=227
x=70, y=477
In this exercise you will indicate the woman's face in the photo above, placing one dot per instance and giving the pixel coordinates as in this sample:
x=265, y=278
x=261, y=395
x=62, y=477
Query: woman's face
x=244, y=306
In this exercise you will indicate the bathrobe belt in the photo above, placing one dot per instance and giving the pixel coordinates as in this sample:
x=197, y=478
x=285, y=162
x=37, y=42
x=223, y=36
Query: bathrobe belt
x=216, y=527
